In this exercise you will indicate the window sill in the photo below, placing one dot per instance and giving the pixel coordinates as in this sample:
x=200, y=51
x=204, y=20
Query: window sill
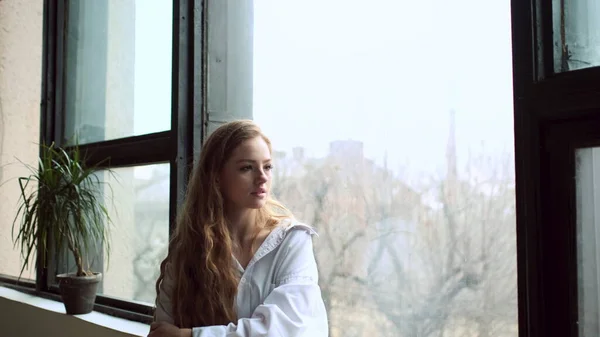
x=118, y=325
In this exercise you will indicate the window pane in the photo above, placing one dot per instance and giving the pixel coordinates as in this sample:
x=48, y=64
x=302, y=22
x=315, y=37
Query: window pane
x=576, y=34
x=118, y=68
x=139, y=236
x=588, y=235
x=387, y=143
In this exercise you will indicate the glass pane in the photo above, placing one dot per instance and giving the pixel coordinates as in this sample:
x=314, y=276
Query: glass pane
x=386, y=142
x=576, y=34
x=140, y=234
x=588, y=236
x=118, y=69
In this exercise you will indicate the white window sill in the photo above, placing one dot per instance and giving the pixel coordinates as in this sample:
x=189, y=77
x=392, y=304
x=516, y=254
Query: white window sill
x=107, y=321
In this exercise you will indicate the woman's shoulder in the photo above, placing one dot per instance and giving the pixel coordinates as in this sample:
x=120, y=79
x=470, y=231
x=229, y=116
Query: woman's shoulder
x=288, y=233
x=293, y=227
x=294, y=233
x=295, y=258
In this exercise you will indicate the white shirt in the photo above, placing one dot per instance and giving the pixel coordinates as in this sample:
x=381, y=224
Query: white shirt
x=278, y=293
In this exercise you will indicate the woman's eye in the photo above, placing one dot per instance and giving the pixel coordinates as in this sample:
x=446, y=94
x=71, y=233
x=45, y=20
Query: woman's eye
x=268, y=167
x=246, y=168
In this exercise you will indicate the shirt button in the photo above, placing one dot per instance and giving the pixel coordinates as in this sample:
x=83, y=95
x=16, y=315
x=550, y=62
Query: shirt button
x=243, y=280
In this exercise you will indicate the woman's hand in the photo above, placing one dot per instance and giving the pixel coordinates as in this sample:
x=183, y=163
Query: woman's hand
x=162, y=329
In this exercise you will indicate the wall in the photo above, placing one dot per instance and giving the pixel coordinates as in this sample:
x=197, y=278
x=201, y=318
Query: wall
x=20, y=88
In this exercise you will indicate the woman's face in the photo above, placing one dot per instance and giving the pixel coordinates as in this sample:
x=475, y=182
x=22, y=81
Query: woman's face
x=246, y=177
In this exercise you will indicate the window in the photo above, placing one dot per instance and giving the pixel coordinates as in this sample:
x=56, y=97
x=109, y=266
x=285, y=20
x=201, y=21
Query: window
x=118, y=86
x=140, y=233
x=588, y=235
x=576, y=34
x=118, y=69
x=385, y=140
x=392, y=130
x=116, y=80
x=557, y=118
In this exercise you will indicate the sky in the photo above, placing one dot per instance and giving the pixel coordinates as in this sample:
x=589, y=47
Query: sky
x=388, y=73
x=153, y=62
x=385, y=72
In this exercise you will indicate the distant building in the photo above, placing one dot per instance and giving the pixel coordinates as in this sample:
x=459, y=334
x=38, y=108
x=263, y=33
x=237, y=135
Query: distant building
x=352, y=150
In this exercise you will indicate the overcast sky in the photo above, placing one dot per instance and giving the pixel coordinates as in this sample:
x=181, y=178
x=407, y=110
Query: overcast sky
x=385, y=72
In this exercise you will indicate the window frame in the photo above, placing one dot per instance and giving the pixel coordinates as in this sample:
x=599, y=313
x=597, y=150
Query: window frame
x=552, y=114
x=175, y=146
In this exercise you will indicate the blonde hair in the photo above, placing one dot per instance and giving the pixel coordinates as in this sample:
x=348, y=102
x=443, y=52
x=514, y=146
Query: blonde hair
x=200, y=251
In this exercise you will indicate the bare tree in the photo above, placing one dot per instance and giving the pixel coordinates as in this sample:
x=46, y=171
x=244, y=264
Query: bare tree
x=462, y=279
x=339, y=197
x=438, y=262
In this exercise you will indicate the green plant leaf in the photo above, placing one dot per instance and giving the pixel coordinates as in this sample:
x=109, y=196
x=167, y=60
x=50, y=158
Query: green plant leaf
x=67, y=206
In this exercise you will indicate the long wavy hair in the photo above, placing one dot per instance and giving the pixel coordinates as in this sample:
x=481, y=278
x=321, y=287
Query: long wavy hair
x=200, y=251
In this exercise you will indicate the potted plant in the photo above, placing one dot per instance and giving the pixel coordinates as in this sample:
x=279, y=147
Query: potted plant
x=62, y=202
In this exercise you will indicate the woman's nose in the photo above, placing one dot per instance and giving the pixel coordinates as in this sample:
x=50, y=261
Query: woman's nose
x=262, y=177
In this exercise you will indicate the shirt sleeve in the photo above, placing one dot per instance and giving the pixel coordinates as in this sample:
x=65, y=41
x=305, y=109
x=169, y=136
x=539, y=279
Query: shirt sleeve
x=294, y=308
x=163, y=311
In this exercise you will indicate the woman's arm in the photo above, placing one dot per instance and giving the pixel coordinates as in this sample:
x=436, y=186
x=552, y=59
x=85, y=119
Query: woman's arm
x=163, y=317
x=164, y=306
x=164, y=329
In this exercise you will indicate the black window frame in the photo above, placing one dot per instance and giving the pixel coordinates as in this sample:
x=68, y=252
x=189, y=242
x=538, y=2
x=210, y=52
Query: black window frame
x=175, y=146
x=554, y=114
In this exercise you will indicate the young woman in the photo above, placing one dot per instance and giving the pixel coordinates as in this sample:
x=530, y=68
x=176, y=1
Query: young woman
x=238, y=263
